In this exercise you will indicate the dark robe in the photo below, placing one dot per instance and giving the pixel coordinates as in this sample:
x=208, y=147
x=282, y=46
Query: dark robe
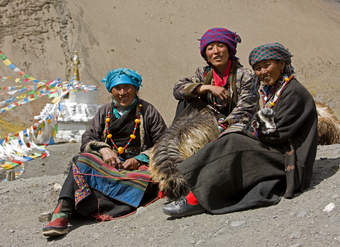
x=239, y=171
x=147, y=134
x=153, y=127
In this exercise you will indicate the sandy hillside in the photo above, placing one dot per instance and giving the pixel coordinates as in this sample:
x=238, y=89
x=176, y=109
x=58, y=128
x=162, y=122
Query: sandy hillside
x=159, y=38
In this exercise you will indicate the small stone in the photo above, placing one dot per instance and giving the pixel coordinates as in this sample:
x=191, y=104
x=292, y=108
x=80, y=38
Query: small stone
x=56, y=187
x=140, y=210
x=12, y=231
x=329, y=208
x=337, y=238
x=237, y=223
x=45, y=217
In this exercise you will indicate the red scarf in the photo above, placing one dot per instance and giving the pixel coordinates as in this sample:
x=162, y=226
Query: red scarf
x=218, y=81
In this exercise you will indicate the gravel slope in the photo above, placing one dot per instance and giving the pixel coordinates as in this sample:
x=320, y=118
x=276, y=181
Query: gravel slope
x=297, y=222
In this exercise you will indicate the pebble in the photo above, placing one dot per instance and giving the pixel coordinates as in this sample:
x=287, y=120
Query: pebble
x=337, y=238
x=237, y=223
x=140, y=210
x=329, y=208
x=56, y=187
x=45, y=217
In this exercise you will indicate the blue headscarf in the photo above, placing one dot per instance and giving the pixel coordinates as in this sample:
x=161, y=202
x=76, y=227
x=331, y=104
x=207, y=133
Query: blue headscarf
x=122, y=76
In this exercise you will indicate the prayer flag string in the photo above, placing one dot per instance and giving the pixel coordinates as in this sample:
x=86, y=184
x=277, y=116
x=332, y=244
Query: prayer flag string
x=19, y=147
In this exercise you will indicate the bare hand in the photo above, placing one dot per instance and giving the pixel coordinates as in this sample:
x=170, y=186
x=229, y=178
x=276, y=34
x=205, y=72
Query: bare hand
x=131, y=164
x=217, y=91
x=110, y=157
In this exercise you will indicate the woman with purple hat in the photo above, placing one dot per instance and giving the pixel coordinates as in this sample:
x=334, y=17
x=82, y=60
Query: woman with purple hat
x=223, y=83
x=110, y=177
x=222, y=93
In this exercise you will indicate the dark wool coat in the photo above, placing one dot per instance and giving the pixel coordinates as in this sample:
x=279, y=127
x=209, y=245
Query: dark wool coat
x=152, y=127
x=238, y=172
x=149, y=131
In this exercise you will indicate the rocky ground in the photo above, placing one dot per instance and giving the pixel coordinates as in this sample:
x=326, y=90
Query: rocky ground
x=311, y=219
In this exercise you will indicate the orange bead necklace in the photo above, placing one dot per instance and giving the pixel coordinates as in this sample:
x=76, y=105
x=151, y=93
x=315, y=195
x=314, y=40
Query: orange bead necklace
x=137, y=121
x=271, y=103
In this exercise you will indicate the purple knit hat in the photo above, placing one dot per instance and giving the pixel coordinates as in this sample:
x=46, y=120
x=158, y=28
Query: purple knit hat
x=222, y=35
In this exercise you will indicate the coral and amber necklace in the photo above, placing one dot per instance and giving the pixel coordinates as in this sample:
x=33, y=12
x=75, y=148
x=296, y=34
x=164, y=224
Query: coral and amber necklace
x=276, y=97
x=137, y=121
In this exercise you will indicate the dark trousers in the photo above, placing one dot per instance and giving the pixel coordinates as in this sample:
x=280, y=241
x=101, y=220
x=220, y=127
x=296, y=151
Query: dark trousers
x=69, y=187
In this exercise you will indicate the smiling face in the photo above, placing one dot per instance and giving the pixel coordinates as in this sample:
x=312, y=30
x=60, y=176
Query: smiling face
x=217, y=55
x=269, y=71
x=124, y=94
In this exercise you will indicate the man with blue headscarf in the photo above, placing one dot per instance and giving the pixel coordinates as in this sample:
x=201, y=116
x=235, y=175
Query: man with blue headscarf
x=110, y=178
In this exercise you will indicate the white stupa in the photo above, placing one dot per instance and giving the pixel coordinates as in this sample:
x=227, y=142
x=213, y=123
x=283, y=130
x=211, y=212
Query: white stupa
x=73, y=112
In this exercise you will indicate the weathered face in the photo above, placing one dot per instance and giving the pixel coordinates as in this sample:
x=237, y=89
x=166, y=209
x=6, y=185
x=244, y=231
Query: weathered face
x=269, y=71
x=124, y=94
x=217, y=54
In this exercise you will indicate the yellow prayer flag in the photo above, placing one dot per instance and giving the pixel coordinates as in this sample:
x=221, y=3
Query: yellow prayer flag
x=7, y=62
x=7, y=166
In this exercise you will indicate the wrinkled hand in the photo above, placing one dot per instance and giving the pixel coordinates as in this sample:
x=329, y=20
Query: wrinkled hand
x=219, y=92
x=110, y=157
x=130, y=164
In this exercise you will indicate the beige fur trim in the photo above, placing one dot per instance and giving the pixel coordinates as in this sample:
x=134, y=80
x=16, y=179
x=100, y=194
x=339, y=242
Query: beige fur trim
x=94, y=147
